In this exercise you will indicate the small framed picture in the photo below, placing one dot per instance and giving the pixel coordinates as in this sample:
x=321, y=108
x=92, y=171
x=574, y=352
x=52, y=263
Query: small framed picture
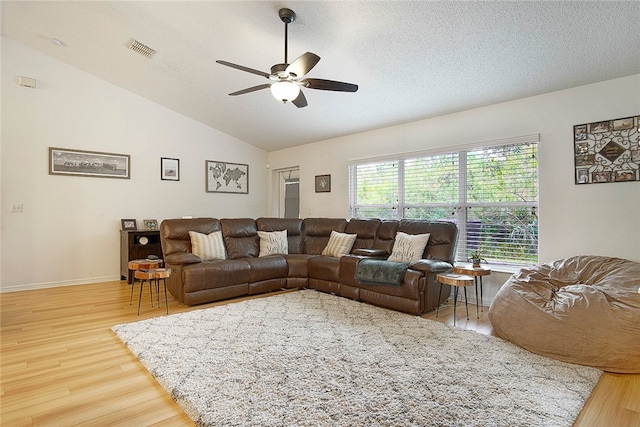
x=625, y=175
x=582, y=176
x=582, y=148
x=623, y=124
x=601, y=177
x=169, y=169
x=129, y=224
x=600, y=127
x=586, y=160
x=150, y=224
x=323, y=183
x=580, y=133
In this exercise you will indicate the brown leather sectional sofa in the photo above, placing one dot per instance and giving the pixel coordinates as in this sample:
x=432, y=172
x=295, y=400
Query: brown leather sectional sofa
x=244, y=273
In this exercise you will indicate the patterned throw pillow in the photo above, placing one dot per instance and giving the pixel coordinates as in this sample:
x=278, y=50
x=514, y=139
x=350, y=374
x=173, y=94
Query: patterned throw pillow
x=339, y=244
x=273, y=242
x=408, y=247
x=208, y=246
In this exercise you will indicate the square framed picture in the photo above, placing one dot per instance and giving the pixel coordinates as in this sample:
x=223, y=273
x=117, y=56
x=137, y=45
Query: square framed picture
x=150, y=224
x=169, y=169
x=129, y=224
x=607, y=151
x=323, y=183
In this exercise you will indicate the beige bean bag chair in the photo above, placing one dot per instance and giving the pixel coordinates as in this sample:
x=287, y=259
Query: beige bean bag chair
x=584, y=310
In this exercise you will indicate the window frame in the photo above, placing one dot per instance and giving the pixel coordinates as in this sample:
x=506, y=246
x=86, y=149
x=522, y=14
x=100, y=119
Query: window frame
x=460, y=208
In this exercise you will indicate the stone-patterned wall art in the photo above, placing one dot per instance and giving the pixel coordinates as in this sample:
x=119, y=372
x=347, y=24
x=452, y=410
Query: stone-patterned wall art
x=607, y=151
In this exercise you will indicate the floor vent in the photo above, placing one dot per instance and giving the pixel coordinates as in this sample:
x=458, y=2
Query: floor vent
x=141, y=48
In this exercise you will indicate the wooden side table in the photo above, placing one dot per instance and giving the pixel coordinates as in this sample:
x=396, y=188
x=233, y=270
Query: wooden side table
x=143, y=275
x=162, y=274
x=150, y=275
x=477, y=273
x=140, y=264
x=456, y=280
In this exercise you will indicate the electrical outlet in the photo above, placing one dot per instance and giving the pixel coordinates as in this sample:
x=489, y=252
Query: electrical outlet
x=16, y=208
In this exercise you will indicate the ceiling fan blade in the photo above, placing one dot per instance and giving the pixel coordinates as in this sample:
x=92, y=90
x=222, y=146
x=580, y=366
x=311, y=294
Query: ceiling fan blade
x=329, y=85
x=300, y=101
x=250, y=89
x=243, y=68
x=303, y=64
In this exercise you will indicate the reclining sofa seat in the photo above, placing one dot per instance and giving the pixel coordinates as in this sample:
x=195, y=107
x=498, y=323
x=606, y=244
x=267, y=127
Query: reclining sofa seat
x=245, y=273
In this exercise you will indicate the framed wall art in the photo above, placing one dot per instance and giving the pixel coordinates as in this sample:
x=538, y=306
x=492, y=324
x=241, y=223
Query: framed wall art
x=225, y=177
x=323, y=183
x=607, y=151
x=63, y=161
x=150, y=224
x=129, y=224
x=169, y=169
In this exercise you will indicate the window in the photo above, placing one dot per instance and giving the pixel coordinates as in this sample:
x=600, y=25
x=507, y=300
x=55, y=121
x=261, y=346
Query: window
x=491, y=192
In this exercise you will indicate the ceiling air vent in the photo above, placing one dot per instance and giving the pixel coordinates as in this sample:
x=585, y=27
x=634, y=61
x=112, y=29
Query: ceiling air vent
x=141, y=48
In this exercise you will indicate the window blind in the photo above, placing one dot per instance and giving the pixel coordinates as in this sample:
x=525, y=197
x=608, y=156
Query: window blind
x=375, y=190
x=501, y=203
x=490, y=191
x=431, y=186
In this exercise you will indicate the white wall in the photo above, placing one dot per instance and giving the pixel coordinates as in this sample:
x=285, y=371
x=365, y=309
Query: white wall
x=69, y=230
x=598, y=219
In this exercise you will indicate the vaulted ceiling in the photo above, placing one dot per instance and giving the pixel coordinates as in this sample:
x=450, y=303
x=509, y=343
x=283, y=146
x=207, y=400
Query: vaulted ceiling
x=411, y=59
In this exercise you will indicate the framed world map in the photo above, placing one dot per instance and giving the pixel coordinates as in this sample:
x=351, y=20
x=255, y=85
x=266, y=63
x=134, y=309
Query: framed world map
x=225, y=177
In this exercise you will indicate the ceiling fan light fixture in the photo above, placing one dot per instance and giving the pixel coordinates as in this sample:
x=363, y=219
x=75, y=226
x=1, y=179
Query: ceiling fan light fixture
x=289, y=78
x=285, y=91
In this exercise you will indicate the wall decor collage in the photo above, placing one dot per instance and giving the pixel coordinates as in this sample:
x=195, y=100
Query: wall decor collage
x=607, y=151
x=220, y=177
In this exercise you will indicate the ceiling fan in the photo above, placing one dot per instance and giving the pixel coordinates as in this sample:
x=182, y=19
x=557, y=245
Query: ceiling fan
x=288, y=79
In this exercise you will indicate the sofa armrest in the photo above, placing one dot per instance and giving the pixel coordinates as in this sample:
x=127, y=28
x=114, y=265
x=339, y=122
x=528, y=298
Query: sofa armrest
x=182, y=258
x=372, y=253
x=430, y=266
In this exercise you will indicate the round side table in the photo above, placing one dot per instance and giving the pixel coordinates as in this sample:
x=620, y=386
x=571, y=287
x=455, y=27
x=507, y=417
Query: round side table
x=141, y=264
x=162, y=274
x=456, y=280
x=477, y=273
x=151, y=275
x=143, y=275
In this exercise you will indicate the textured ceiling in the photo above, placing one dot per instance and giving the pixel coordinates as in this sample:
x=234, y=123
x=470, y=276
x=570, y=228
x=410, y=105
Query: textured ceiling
x=412, y=60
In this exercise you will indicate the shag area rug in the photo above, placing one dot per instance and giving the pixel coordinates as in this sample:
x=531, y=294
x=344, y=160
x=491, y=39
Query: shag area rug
x=311, y=359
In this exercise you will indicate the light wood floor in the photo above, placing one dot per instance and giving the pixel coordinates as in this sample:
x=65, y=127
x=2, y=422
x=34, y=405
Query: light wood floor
x=62, y=365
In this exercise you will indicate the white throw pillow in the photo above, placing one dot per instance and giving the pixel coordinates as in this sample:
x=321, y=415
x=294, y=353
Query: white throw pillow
x=208, y=246
x=408, y=247
x=273, y=242
x=339, y=244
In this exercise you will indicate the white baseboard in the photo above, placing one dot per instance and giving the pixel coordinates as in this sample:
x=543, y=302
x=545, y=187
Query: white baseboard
x=44, y=285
